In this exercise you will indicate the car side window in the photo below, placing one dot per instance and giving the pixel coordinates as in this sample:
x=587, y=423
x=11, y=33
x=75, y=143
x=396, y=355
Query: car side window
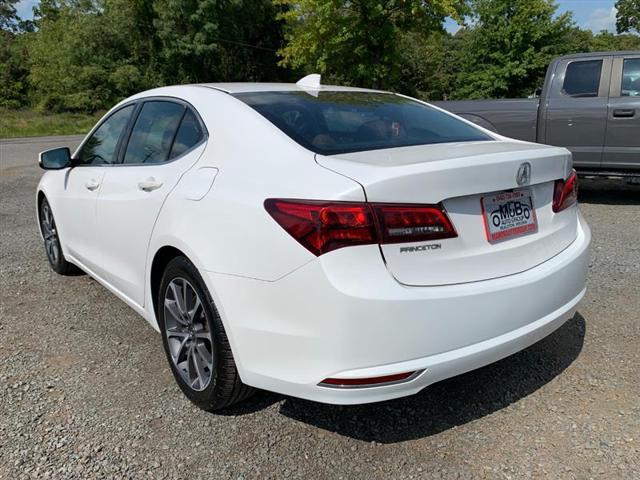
x=189, y=134
x=631, y=78
x=153, y=132
x=100, y=147
x=582, y=79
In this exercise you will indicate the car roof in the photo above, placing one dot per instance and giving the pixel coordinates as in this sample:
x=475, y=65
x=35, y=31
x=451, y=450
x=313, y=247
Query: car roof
x=247, y=87
x=600, y=54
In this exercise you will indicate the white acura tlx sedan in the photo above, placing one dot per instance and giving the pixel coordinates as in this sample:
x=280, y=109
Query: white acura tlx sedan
x=336, y=244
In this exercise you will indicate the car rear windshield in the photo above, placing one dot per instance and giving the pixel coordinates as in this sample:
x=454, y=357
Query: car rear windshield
x=332, y=122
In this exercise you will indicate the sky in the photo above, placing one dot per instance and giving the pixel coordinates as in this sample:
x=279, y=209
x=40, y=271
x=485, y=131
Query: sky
x=593, y=14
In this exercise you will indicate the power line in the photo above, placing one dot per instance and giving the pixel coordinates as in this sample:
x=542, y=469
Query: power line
x=242, y=44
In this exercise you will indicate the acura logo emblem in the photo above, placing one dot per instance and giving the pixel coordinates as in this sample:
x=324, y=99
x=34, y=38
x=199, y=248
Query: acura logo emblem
x=523, y=177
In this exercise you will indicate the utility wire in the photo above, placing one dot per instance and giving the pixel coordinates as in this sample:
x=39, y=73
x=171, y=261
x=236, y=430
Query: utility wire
x=241, y=44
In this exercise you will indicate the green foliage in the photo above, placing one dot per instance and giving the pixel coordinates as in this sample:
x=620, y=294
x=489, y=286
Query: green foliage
x=106, y=50
x=218, y=40
x=29, y=123
x=87, y=69
x=13, y=74
x=85, y=55
x=628, y=16
x=424, y=65
x=605, y=41
x=506, y=50
x=357, y=42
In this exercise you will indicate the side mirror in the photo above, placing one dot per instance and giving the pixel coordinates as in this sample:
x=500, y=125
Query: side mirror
x=537, y=93
x=55, y=159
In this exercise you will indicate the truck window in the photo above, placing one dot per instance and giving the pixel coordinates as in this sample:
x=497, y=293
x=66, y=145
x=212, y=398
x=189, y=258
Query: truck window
x=631, y=78
x=582, y=79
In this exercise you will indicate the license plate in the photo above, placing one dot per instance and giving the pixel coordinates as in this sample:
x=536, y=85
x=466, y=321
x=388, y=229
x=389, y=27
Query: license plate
x=509, y=215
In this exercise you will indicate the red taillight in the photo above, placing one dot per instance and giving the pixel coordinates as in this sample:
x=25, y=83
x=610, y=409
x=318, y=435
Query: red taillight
x=565, y=192
x=370, y=381
x=325, y=226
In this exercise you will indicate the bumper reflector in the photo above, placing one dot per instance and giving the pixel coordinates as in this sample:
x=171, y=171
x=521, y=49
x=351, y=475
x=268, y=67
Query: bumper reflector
x=370, y=381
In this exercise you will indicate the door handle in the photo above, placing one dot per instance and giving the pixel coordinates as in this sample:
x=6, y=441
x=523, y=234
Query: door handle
x=624, y=112
x=92, y=184
x=149, y=184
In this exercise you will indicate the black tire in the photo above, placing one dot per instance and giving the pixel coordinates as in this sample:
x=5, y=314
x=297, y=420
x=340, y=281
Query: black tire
x=225, y=387
x=52, y=245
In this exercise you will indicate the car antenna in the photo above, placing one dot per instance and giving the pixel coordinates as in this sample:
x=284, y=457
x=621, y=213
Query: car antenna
x=310, y=84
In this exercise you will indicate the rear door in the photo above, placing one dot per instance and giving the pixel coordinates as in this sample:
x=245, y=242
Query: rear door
x=576, y=110
x=622, y=146
x=166, y=140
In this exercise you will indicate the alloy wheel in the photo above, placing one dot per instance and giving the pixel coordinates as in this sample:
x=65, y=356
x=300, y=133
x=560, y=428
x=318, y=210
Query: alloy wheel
x=188, y=334
x=50, y=234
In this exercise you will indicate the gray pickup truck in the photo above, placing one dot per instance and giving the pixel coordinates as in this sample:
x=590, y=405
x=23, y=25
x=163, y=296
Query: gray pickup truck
x=590, y=103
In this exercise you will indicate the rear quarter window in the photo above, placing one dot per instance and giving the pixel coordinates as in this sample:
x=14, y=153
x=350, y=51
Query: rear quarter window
x=189, y=134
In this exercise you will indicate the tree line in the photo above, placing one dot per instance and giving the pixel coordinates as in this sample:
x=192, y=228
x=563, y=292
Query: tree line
x=84, y=55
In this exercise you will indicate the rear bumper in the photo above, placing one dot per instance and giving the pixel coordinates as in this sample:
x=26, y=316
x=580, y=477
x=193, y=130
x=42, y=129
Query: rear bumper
x=344, y=316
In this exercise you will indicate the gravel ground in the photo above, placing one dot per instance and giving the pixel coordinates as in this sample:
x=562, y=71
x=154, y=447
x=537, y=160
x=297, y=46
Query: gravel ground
x=85, y=391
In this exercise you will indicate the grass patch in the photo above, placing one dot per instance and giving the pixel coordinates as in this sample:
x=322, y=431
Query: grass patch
x=29, y=123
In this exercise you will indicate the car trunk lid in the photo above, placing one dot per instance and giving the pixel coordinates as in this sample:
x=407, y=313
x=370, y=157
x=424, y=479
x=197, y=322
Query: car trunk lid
x=458, y=176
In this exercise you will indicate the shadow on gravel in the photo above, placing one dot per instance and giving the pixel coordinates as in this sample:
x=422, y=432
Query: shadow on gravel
x=451, y=402
x=261, y=400
x=608, y=192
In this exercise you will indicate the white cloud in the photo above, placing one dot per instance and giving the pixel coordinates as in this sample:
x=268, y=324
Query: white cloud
x=602, y=19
